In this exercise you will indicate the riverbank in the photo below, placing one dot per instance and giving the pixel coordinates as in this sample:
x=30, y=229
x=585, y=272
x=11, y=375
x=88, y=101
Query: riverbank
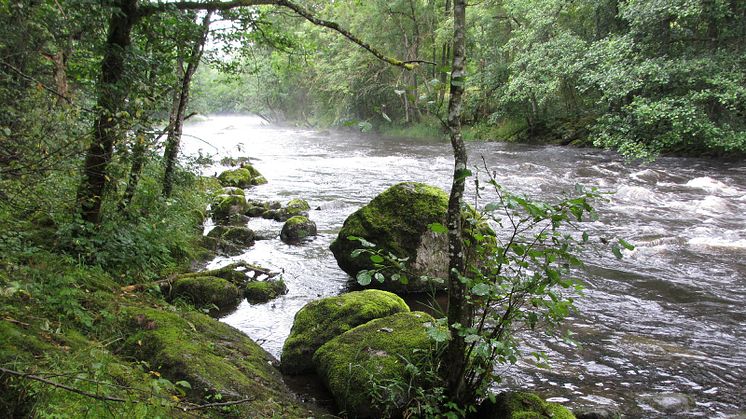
x=84, y=337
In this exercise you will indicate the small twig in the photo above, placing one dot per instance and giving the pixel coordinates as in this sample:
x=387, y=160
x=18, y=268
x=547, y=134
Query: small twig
x=221, y=404
x=14, y=321
x=62, y=386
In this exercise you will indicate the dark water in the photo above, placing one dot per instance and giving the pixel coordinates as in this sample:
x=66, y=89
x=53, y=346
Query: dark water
x=669, y=317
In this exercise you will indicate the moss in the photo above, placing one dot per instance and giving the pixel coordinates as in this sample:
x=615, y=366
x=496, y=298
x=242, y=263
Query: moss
x=321, y=320
x=298, y=204
x=213, y=357
x=243, y=177
x=371, y=354
x=395, y=220
x=223, y=206
x=522, y=405
x=233, y=273
x=297, y=228
x=262, y=291
x=207, y=291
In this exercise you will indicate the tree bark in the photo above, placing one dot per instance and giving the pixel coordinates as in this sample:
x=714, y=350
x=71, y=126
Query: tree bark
x=111, y=97
x=454, y=363
x=174, y=135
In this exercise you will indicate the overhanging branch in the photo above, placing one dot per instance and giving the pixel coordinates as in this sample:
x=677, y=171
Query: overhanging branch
x=149, y=9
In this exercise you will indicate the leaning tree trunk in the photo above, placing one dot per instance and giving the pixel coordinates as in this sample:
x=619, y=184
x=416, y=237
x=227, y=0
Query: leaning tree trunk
x=454, y=363
x=111, y=98
x=174, y=134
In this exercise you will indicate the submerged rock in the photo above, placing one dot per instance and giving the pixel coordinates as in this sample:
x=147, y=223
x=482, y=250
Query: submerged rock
x=262, y=291
x=207, y=291
x=397, y=221
x=213, y=358
x=372, y=353
x=244, y=177
x=297, y=228
x=669, y=402
x=522, y=405
x=321, y=320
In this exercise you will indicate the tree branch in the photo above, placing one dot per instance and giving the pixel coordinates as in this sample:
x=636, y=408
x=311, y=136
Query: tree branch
x=62, y=386
x=221, y=404
x=300, y=10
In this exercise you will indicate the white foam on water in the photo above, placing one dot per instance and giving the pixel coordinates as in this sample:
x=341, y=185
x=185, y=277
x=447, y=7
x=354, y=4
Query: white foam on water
x=711, y=185
x=721, y=242
x=712, y=205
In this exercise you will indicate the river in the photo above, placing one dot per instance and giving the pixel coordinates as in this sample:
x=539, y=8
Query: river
x=669, y=317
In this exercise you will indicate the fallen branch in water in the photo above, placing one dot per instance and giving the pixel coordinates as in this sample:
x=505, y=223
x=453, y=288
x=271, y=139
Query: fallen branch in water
x=228, y=272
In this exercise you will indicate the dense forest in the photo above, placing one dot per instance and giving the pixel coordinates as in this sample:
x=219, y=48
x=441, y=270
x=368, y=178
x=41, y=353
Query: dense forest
x=101, y=219
x=641, y=77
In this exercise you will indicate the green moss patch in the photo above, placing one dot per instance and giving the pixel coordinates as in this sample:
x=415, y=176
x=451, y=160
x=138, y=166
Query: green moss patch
x=243, y=177
x=522, y=405
x=214, y=358
x=262, y=291
x=209, y=292
x=297, y=228
x=373, y=353
x=321, y=320
x=396, y=221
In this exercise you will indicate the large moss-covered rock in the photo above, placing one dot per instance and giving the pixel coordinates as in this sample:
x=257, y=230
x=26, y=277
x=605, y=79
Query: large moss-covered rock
x=372, y=353
x=230, y=240
x=321, y=320
x=213, y=358
x=397, y=221
x=257, y=292
x=226, y=205
x=522, y=405
x=297, y=228
x=244, y=177
x=207, y=291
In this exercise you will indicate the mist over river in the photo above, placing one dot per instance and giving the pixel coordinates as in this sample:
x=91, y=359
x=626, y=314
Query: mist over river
x=669, y=317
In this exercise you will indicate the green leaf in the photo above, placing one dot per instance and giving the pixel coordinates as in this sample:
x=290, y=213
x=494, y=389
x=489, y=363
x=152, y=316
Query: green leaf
x=480, y=289
x=379, y=277
x=585, y=237
x=616, y=251
x=184, y=384
x=437, y=228
x=364, y=278
x=627, y=245
x=438, y=334
x=355, y=253
x=376, y=258
x=462, y=174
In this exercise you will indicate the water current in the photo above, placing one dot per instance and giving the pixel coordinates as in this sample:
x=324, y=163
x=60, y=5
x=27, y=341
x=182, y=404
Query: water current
x=669, y=317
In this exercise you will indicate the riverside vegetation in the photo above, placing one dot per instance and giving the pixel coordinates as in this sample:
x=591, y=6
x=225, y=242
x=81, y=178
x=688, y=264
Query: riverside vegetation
x=100, y=219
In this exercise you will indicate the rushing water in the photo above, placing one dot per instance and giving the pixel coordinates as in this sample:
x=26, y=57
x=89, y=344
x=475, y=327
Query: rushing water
x=669, y=317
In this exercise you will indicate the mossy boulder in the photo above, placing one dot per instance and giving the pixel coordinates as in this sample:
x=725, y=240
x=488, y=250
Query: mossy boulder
x=397, y=221
x=207, y=291
x=213, y=358
x=293, y=208
x=370, y=354
x=321, y=320
x=230, y=240
x=223, y=206
x=257, y=292
x=522, y=405
x=244, y=177
x=297, y=228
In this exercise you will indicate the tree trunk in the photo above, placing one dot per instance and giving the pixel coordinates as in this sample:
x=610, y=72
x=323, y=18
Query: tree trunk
x=59, y=72
x=111, y=98
x=174, y=135
x=454, y=363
